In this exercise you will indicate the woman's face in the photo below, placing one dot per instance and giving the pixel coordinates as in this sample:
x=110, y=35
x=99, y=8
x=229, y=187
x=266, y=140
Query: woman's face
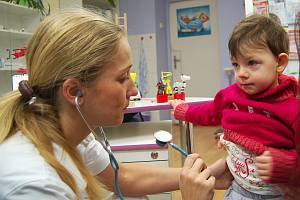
x=108, y=97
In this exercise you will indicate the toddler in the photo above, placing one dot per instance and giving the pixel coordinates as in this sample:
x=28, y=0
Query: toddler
x=258, y=113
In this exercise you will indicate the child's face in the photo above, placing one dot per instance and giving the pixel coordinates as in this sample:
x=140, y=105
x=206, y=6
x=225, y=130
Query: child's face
x=256, y=71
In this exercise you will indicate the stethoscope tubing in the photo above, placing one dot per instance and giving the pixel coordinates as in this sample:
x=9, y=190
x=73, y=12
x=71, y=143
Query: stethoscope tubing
x=180, y=150
x=107, y=147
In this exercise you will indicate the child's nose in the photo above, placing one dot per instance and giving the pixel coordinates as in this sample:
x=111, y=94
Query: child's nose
x=242, y=72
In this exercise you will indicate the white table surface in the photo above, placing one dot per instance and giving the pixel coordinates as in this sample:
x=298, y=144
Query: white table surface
x=150, y=104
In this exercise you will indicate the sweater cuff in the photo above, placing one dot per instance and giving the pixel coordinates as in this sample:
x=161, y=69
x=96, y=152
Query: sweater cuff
x=283, y=162
x=180, y=110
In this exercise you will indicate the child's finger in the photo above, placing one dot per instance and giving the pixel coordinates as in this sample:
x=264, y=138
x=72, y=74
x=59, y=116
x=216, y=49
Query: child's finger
x=175, y=102
x=264, y=158
x=263, y=166
x=263, y=172
x=219, y=145
x=172, y=112
x=265, y=178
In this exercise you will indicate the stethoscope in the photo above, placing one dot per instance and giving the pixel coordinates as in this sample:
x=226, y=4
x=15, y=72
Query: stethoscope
x=106, y=146
x=163, y=137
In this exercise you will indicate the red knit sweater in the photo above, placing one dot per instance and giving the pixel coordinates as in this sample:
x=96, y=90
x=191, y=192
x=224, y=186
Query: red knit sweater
x=258, y=122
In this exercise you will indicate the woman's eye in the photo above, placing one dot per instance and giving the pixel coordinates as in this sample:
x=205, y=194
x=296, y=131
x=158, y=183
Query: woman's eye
x=125, y=77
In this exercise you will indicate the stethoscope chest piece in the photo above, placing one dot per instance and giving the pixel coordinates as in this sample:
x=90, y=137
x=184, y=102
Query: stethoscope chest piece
x=162, y=137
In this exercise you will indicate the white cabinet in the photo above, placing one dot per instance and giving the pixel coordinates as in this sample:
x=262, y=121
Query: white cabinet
x=134, y=143
x=16, y=26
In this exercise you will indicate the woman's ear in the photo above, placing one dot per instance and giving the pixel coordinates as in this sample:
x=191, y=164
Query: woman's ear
x=71, y=89
x=283, y=60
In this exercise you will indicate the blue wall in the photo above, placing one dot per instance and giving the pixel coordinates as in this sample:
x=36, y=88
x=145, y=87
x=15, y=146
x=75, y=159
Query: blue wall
x=230, y=12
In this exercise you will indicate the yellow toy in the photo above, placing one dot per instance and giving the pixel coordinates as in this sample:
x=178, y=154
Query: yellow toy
x=169, y=88
x=133, y=76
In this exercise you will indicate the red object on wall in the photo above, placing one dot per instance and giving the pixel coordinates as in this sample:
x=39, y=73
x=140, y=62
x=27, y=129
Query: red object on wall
x=21, y=70
x=19, y=52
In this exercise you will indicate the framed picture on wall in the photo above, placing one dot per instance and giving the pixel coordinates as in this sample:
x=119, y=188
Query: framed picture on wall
x=193, y=21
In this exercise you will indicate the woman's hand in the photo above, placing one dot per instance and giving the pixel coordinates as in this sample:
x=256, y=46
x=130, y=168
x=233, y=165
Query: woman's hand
x=264, y=165
x=196, y=182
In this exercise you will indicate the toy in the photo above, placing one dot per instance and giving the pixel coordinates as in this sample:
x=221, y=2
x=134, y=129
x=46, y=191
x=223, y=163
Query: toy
x=164, y=89
x=179, y=87
x=133, y=76
x=19, y=52
x=161, y=95
x=21, y=71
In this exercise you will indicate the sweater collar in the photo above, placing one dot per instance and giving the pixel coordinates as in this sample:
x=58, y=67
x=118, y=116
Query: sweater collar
x=287, y=88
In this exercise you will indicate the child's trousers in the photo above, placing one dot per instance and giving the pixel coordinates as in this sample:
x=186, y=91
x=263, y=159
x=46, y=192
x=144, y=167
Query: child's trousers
x=236, y=192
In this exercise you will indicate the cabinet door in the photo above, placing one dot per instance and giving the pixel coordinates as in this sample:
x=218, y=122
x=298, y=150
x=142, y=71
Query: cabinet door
x=16, y=26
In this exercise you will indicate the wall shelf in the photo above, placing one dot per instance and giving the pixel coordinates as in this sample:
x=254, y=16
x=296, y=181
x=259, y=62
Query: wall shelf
x=13, y=19
x=15, y=34
x=13, y=67
x=16, y=9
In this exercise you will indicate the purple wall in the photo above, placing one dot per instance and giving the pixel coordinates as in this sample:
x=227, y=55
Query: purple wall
x=162, y=45
x=161, y=8
x=141, y=16
x=230, y=12
x=144, y=17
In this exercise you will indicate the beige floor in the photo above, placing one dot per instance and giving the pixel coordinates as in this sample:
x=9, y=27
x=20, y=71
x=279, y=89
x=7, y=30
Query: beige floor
x=204, y=144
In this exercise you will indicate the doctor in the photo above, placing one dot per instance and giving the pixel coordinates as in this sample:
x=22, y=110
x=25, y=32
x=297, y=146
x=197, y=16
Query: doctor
x=78, y=62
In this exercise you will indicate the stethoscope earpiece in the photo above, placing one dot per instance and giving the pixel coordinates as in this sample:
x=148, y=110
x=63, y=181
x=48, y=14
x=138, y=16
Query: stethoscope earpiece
x=79, y=93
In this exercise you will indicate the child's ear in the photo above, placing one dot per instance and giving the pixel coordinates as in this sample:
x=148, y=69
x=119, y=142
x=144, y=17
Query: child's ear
x=283, y=60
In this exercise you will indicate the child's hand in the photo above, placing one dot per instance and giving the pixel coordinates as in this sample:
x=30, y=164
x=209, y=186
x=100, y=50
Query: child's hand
x=220, y=145
x=222, y=174
x=264, y=165
x=218, y=133
x=174, y=103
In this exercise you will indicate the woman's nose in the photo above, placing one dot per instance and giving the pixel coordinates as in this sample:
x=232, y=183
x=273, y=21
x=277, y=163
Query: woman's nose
x=132, y=90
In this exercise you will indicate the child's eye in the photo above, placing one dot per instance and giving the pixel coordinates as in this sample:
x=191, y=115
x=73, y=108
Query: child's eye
x=235, y=66
x=252, y=63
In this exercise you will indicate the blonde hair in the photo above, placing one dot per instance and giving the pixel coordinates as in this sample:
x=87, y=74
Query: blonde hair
x=74, y=43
